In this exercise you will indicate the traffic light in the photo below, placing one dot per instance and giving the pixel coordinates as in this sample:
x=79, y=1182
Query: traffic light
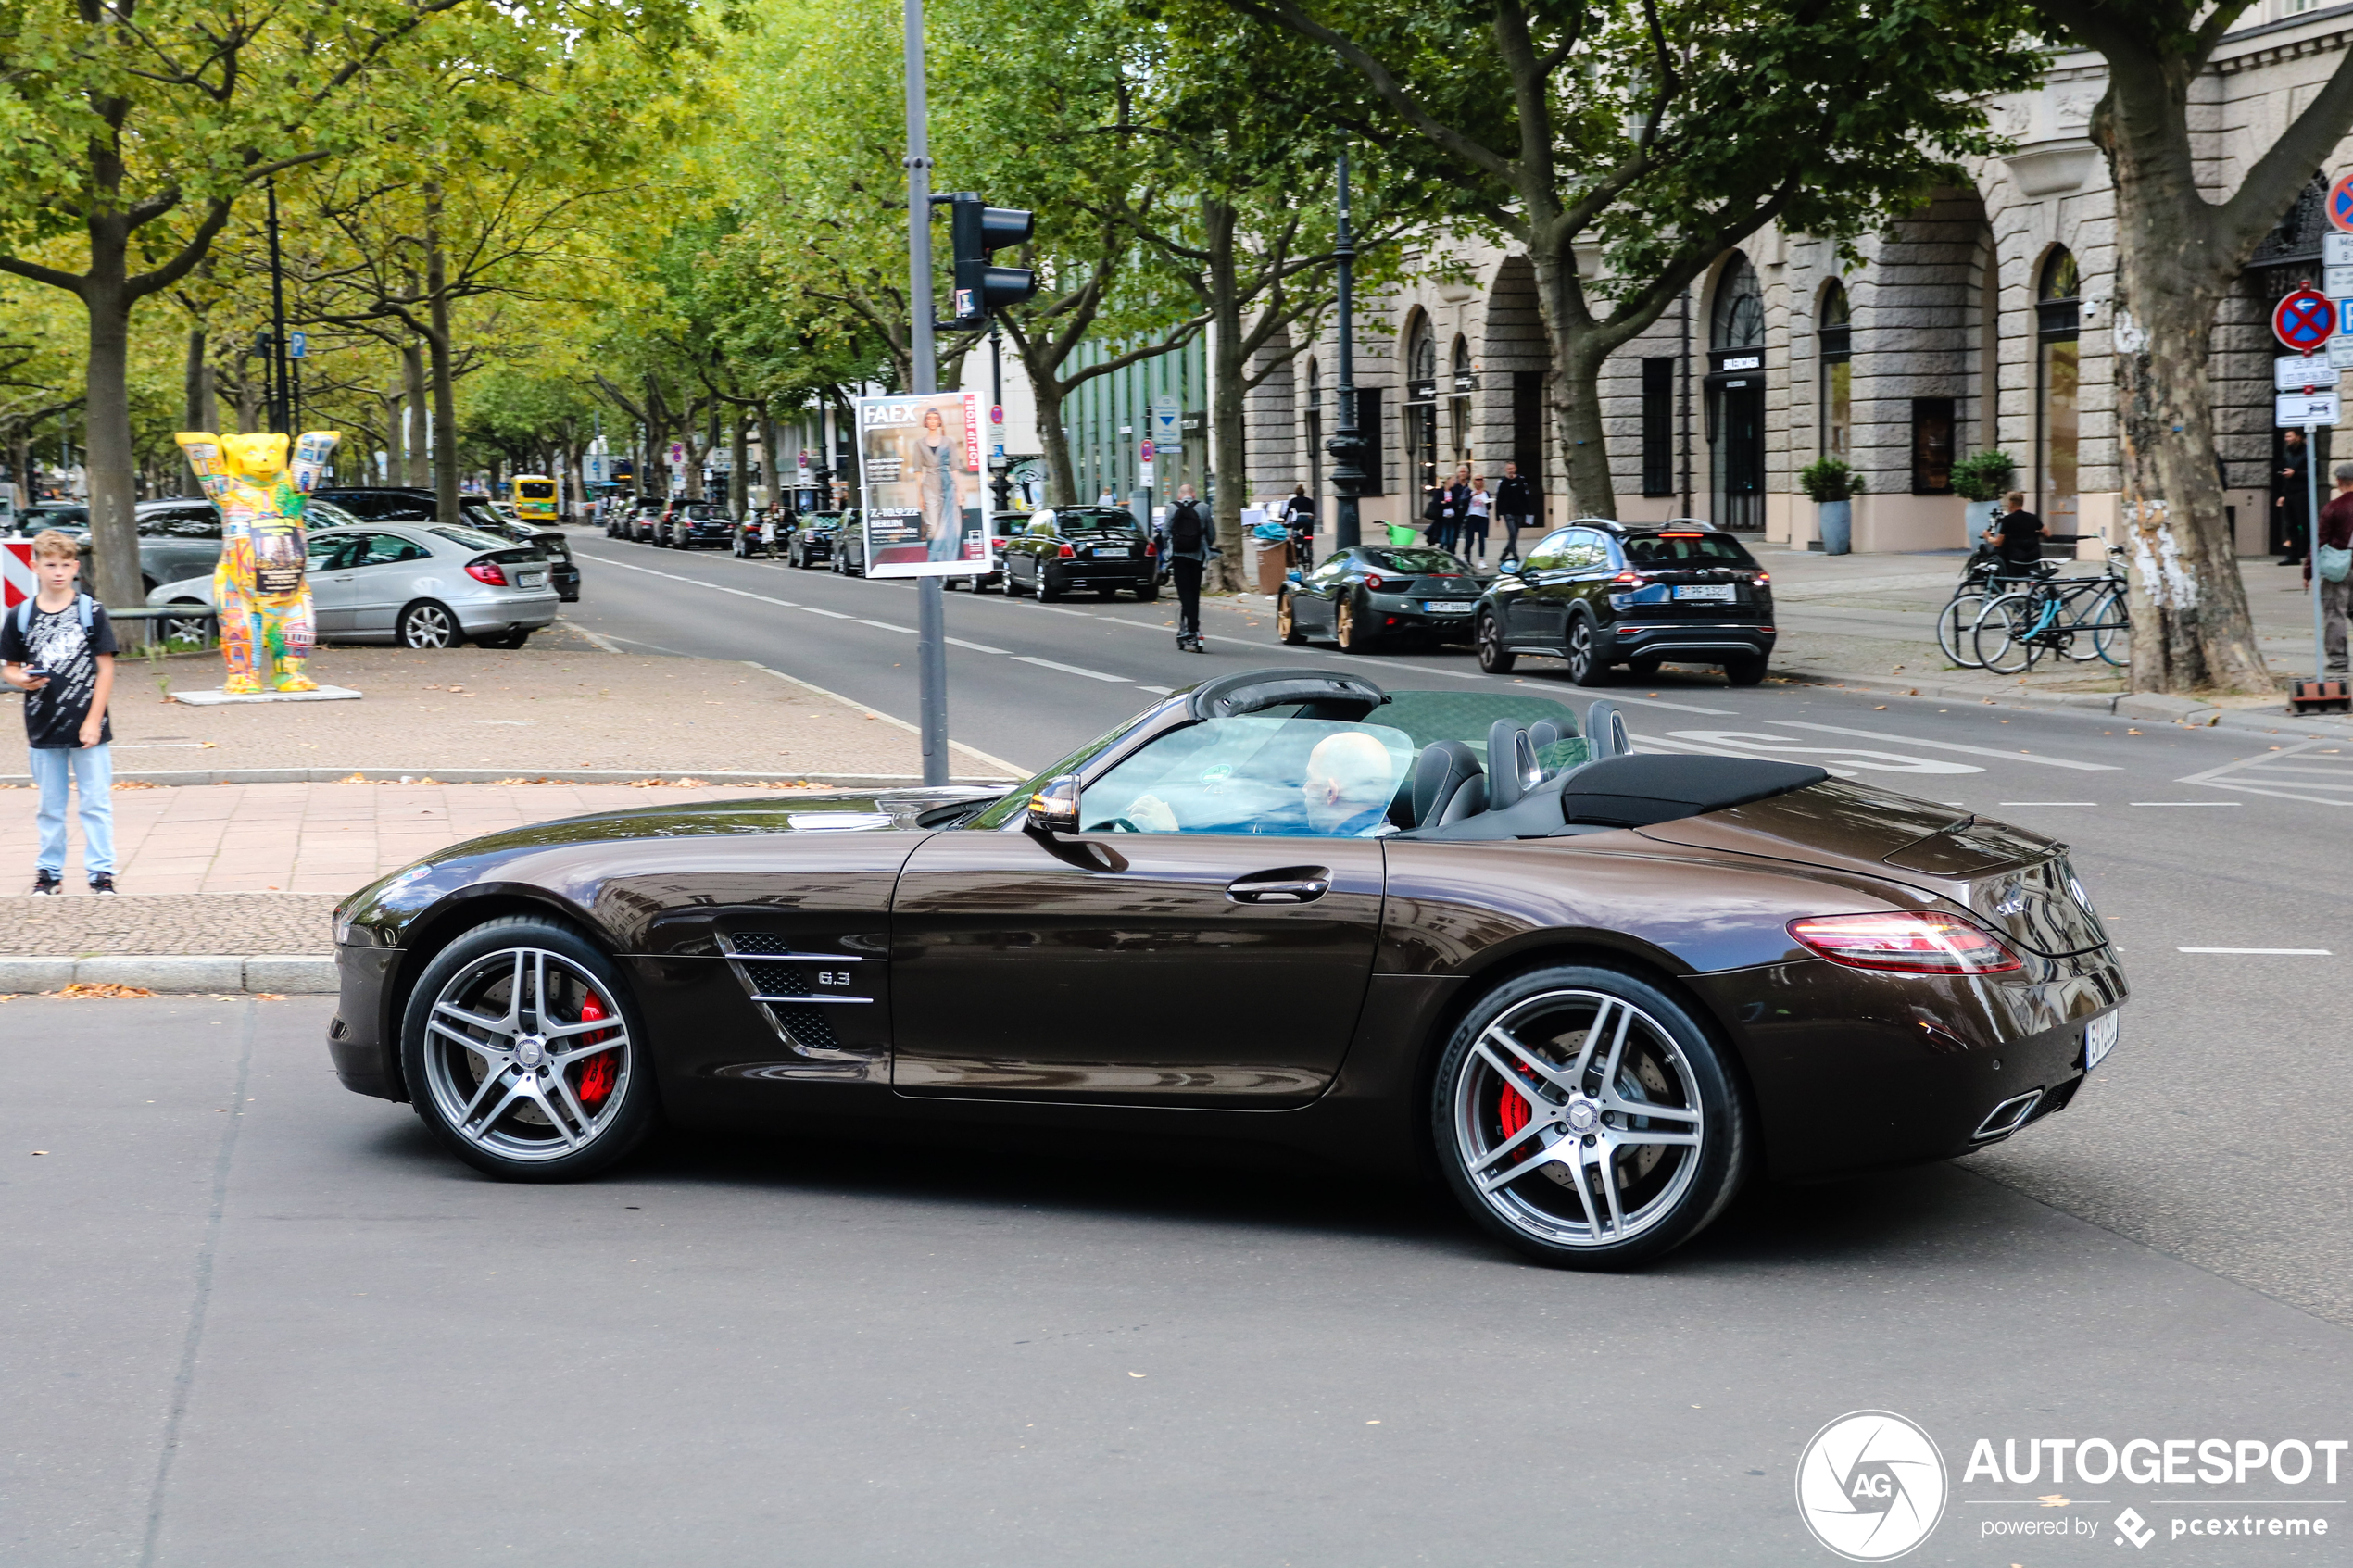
x=975, y=229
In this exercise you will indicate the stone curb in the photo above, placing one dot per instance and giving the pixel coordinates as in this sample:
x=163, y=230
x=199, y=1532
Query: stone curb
x=282, y=973
x=2186, y=710
x=496, y=775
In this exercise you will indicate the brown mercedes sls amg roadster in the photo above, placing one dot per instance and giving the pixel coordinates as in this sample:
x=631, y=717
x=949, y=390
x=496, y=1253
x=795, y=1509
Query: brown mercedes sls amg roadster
x=1598, y=989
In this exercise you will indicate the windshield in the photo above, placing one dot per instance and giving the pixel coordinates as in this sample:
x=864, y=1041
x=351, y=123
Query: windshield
x=1095, y=523
x=472, y=538
x=1417, y=560
x=1256, y=774
x=1686, y=549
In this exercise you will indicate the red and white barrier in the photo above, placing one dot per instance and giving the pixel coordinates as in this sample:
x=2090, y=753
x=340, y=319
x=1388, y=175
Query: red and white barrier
x=17, y=581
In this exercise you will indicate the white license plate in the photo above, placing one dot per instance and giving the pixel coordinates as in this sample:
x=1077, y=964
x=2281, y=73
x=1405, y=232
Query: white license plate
x=1723, y=592
x=1446, y=606
x=1103, y=550
x=533, y=579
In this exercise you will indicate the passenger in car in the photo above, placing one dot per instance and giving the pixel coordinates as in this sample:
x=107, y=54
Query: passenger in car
x=1350, y=780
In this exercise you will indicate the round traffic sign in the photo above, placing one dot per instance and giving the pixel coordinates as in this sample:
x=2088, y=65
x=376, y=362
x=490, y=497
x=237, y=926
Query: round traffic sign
x=2340, y=203
x=2304, y=320
x=1145, y=453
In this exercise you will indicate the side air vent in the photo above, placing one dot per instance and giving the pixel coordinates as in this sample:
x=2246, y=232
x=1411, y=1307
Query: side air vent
x=806, y=1027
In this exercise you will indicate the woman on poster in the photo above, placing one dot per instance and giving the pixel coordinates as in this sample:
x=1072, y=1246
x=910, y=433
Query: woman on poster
x=937, y=460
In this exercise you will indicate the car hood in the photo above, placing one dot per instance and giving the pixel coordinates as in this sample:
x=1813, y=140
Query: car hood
x=2018, y=881
x=845, y=811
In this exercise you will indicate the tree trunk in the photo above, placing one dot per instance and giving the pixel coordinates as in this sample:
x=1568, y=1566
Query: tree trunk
x=1228, y=367
x=739, y=454
x=412, y=392
x=1053, y=436
x=108, y=457
x=445, y=392
x=193, y=382
x=1574, y=384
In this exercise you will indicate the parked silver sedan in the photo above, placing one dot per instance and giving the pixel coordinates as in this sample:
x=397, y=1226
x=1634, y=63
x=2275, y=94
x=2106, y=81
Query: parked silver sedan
x=417, y=585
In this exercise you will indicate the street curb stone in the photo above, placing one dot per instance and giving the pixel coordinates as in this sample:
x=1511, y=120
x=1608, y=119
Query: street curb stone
x=281, y=973
x=2190, y=711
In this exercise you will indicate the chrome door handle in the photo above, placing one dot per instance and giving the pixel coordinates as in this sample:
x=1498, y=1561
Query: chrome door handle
x=1304, y=887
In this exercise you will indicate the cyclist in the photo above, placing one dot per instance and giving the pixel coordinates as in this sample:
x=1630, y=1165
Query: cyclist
x=2017, y=535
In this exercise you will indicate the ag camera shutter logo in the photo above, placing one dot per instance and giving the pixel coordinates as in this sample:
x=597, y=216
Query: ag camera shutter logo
x=1871, y=1486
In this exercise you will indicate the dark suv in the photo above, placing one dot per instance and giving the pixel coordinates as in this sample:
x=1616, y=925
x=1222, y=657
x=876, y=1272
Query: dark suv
x=688, y=523
x=812, y=539
x=383, y=503
x=1075, y=548
x=1599, y=593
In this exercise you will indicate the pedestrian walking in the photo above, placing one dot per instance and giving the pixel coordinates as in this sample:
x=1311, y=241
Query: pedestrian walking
x=58, y=647
x=1189, y=552
x=2291, y=500
x=1299, y=517
x=1477, y=507
x=768, y=534
x=1453, y=503
x=2017, y=535
x=2333, y=553
x=1515, y=503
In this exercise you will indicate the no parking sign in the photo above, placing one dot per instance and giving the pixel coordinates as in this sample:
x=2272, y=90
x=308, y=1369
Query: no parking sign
x=2305, y=320
x=2340, y=203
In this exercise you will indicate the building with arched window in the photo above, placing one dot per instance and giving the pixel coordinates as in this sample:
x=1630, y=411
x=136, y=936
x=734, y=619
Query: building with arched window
x=1980, y=321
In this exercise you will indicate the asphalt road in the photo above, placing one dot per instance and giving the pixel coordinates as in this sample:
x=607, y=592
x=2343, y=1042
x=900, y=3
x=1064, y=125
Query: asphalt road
x=247, y=1318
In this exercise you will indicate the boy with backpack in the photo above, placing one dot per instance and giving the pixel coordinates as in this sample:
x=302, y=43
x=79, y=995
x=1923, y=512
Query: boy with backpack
x=1188, y=537
x=58, y=647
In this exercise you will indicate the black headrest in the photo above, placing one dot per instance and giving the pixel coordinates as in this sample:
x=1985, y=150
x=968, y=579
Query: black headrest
x=1637, y=790
x=1443, y=768
x=1340, y=697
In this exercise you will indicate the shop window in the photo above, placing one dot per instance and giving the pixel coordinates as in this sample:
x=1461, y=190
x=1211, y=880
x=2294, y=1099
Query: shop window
x=1836, y=335
x=1932, y=446
x=2058, y=381
x=1658, y=426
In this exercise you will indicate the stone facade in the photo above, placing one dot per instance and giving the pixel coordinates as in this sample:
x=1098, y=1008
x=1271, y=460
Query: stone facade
x=1948, y=323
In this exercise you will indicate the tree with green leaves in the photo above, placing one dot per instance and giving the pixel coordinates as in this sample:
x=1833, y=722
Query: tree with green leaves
x=1663, y=133
x=2177, y=253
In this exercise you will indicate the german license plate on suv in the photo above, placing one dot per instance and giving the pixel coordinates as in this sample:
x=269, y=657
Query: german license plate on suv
x=1722, y=593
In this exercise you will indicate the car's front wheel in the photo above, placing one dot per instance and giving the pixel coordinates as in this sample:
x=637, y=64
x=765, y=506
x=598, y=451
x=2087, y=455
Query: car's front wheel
x=426, y=624
x=1287, y=621
x=1586, y=666
x=1487, y=634
x=524, y=1054
x=1585, y=1117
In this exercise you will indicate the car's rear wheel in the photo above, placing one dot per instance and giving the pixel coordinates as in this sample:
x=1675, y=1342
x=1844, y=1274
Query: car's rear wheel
x=1147, y=593
x=1047, y=592
x=513, y=638
x=1745, y=671
x=1586, y=666
x=1585, y=1117
x=427, y=624
x=523, y=1053
x=1349, y=630
x=1644, y=669
x=194, y=627
x=1286, y=622
x=1493, y=657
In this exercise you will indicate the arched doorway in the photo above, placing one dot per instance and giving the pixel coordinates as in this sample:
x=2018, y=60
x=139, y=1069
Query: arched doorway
x=1421, y=405
x=1736, y=395
x=2058, y=426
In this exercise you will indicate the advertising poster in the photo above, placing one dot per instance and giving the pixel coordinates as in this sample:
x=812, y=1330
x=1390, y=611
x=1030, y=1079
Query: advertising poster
x=920, y=456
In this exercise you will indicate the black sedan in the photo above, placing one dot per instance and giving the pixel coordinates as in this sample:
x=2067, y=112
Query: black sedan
x=812, y=540
x=1288, y=909
x=644, y=521
x=1599, y=593
x=549, y=544
x=1368, y=594
x=1003, y=529
x=849, y=558
x=1067, y=549
x=687, y=525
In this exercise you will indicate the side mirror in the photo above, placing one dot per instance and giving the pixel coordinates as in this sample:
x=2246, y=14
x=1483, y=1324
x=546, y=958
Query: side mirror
x=1054, y=805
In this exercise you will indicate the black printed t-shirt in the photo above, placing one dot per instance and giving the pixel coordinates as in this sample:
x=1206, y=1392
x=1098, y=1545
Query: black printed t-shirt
x=56, y=643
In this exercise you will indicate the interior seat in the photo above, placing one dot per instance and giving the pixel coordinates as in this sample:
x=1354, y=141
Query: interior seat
x=1447, y=784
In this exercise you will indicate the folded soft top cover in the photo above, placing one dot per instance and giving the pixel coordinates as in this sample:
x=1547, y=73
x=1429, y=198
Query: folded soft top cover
x=1634, y=792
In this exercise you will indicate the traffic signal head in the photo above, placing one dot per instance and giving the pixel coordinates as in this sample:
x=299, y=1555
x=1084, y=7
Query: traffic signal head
x=975, y=229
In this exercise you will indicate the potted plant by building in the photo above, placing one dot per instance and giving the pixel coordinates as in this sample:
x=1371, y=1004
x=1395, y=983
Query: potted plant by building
x=1983, y=479
x=1833, y=484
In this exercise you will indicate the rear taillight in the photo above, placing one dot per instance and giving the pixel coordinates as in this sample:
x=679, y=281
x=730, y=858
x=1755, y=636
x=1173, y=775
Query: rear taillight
x=486, y=571
x=1150, y=549
x=1762, y=578
x=1066, y=551
x=1376, y=582
x=1915, y=944
x=1629, y=578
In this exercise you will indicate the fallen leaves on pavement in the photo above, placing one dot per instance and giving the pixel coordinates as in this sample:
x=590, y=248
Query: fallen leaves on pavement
x=101, y=990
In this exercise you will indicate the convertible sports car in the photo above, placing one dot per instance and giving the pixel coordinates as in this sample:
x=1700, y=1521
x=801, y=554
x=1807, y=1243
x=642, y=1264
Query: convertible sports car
x=1599, y=990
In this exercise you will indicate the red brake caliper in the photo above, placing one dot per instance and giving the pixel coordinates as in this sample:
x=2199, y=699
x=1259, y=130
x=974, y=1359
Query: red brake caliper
x=1511, y=1109
x=598, y=1072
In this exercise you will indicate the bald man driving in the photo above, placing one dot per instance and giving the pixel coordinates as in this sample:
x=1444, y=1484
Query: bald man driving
x=1346, y=794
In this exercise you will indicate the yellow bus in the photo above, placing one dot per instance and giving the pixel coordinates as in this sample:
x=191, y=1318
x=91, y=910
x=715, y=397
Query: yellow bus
x=535, y=498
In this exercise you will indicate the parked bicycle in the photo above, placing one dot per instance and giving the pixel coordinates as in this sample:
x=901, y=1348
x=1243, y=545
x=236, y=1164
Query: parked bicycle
x=1986, y=578
x=2077, y=618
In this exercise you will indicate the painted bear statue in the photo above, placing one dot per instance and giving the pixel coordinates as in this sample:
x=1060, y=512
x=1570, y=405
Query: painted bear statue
x=267, y=628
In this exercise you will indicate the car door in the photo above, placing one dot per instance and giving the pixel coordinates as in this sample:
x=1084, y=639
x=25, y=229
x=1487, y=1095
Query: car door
x=1214, y=965
x=375, y=586
x=1530, y=617
x=1585, y=565
x=328, y=567
x=1312, y=609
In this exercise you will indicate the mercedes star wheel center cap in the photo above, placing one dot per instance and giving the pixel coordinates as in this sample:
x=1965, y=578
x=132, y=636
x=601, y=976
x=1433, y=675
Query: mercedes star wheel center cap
x=531, y=1050
x=1582, y=1116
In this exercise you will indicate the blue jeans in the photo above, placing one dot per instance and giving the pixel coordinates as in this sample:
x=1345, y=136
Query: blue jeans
x=92, y=769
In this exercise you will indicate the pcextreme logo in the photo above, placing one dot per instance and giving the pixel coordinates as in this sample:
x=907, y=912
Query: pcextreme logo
x=1871, y=1486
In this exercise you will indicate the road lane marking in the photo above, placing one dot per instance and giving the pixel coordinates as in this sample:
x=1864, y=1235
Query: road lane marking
x=2046, y=803
x=884, y=625
x=2250, y=775
x=1070, y=669
x=1846, y=756
x=2286, y=952
x=598, y=638
x=1014, y=769
x=1952, y=746
x=1158, y=691
x=830, y=614
x=976, y=647
x=1680, y=706
x=2191, y=803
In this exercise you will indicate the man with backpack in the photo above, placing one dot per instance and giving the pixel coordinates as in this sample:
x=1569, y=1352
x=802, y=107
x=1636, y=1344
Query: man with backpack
x=58, y=647
x=1188, y=551
x=2333, y=550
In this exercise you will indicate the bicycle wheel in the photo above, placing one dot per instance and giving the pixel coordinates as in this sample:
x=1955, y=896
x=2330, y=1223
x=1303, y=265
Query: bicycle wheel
x=2112, y=627
x=2000, y=636
x=1955, y=622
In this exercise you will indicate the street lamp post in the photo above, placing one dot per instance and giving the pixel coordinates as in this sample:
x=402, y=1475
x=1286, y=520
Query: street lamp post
x=931, y=592
x=1346, y=445
x=279, y=413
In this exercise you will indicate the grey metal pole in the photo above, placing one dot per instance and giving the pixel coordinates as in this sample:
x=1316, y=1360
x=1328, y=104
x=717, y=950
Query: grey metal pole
x=1346, y=445
x=931, y=592
x=278, y=411
x=2312, y=543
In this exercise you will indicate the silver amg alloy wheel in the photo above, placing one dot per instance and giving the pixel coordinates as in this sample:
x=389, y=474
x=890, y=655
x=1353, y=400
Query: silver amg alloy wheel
x=526, y=1056
x=1584, y=1116
x=427, y=625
